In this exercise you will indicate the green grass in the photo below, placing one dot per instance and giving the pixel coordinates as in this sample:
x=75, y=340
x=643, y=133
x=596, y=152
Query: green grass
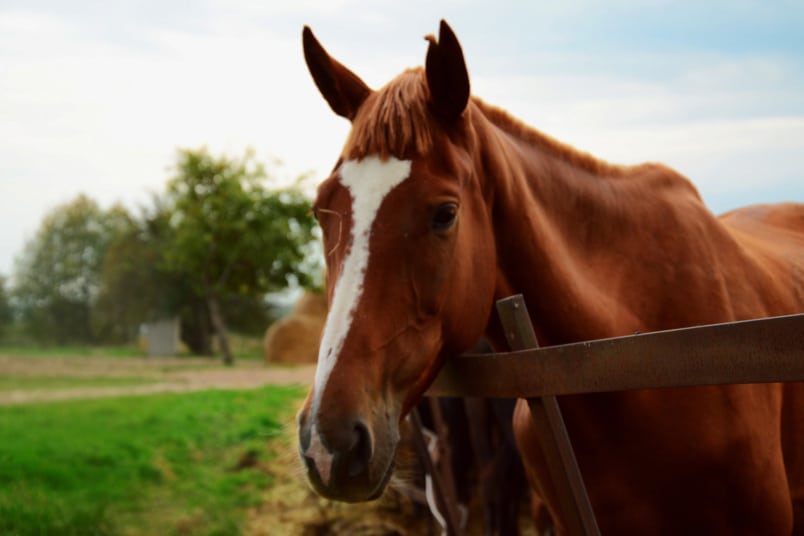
x=40, y=383
x=161, y=464
x=246, y=347
x=38, y=350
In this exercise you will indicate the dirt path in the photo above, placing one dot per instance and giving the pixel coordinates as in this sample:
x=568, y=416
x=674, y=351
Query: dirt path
x=156, y=375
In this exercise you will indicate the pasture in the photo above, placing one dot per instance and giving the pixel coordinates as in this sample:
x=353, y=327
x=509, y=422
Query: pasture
x=165, y=463
x=118, y=445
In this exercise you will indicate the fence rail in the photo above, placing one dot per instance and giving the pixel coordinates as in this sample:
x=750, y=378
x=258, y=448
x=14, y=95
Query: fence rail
x=751, y=351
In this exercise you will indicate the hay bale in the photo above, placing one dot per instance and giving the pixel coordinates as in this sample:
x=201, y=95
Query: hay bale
x=313, y=304
x=295, y=338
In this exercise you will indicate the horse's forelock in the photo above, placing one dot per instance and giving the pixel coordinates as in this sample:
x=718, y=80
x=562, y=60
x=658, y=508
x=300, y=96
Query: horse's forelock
x=393, y=121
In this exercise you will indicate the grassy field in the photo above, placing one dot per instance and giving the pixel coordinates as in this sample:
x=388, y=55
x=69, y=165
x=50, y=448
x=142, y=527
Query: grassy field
x=161, y=464
x=35, y=383
x=242, y=346
x=216, y=456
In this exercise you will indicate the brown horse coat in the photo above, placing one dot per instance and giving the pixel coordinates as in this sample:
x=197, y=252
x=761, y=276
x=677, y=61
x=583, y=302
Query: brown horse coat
x=471, y=206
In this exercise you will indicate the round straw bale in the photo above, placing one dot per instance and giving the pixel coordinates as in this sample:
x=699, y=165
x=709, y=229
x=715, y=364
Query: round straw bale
x=295, y=338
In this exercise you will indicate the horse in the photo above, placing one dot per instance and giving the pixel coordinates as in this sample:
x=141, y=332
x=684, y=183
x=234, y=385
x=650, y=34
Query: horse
x=440, y=204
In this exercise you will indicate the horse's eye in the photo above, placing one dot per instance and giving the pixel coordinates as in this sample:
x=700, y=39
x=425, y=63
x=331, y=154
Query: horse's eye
x=445, y=216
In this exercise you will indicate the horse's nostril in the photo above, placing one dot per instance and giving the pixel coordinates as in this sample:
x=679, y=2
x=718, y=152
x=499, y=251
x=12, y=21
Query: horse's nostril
x=361, y=451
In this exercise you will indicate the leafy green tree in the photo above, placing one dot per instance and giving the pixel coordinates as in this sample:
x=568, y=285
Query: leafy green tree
x=133, y=287
x=5, y=306
x=136, y=286
x=231, y=236
x=57, y=275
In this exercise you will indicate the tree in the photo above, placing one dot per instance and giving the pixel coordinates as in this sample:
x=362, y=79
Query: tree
x=137, y=287
x=231, y=236
x=133, y=287
x=5, y=306
x=57, y=276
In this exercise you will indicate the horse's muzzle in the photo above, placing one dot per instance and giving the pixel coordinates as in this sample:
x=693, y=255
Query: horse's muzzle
x=343, y=464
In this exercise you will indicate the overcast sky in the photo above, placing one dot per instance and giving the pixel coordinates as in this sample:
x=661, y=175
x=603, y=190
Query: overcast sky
x=95, y=96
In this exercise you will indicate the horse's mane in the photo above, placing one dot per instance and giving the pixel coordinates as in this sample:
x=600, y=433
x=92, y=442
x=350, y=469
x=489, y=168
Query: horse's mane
x=394, y=120
x=517, y=129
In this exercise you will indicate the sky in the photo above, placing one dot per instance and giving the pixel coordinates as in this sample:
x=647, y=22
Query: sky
x=96, y=96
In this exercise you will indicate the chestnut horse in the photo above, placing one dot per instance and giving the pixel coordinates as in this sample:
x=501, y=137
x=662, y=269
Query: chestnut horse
x=440, y=204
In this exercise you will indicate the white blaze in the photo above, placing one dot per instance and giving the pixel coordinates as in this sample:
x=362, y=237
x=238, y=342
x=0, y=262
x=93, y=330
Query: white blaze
x=369, y=181
x=320, y=456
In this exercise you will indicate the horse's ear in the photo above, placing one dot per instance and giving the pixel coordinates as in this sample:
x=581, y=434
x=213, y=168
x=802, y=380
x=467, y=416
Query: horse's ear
x=342, y=89
x=447, y=77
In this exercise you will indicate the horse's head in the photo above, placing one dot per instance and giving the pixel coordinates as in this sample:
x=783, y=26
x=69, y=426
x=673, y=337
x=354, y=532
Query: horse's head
x=410, y=261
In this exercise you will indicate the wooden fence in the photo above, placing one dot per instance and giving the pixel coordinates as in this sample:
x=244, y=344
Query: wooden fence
x=753, y=351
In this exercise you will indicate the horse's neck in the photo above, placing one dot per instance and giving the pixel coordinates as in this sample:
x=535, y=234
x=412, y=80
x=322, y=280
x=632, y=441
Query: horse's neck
x=600, y=250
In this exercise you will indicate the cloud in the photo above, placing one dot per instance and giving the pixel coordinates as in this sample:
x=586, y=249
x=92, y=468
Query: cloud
x=95, y=97
x=733, y=126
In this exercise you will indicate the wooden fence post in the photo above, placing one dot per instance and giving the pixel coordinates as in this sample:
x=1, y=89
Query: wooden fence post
x=563, y=467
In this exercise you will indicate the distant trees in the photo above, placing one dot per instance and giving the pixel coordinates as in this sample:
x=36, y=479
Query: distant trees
x=5, y=306
x=207, y=250
x=58, y=274
x=135, y=287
